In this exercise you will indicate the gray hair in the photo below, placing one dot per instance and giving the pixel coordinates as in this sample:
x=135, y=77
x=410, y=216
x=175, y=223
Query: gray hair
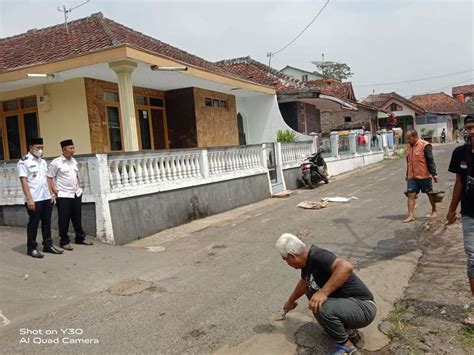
x=290, y=244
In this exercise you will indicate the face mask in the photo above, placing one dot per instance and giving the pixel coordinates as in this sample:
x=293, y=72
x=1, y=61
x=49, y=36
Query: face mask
x=38, y=152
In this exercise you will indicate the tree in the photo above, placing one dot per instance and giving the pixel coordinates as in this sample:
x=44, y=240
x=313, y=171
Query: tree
x=334, y=70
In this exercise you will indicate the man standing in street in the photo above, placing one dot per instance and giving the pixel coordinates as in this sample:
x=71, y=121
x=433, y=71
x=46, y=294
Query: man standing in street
x=64, y=182
x=32, y=171
x=462, y=164
x=340, y=301
x=421, y=170
x=443, y=136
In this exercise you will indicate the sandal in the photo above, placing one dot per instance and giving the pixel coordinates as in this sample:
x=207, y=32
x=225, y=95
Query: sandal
x=469, y=321
x=340, y=349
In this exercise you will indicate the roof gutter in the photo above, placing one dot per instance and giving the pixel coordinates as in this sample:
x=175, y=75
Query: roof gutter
x=343, y=103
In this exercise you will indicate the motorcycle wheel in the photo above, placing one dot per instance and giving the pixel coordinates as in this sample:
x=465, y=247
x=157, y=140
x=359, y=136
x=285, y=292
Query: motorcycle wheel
x=326, y=180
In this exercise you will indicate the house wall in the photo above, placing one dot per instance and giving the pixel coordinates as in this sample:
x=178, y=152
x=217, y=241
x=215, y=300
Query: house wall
x=443, y=121
x=215, y=126
x=405, y=112
x=331, y=120
x=181, y=118
x=66, y=118
x=96, y=110
x=309, y=118
x=295, y=73
x=262, y=119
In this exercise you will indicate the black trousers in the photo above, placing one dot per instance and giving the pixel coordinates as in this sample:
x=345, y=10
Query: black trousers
x=70, y=209
x=42, y=212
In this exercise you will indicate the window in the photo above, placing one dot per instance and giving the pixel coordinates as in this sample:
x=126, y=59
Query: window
x=111, y=96
x=19, y=123
x=347, y=119
x=10, y=106
x=156, y=102
x=141, y=100
x=395, y=107
x=208, y=102
x=13, y=137
x=115, y=133
x=304, y=77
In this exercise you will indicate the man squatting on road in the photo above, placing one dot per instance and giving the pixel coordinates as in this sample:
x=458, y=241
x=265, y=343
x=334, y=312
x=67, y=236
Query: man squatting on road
x=340, y=301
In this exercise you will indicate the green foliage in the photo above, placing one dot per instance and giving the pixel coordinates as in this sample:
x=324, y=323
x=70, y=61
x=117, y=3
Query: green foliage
x=286, y=136
x=335, y=70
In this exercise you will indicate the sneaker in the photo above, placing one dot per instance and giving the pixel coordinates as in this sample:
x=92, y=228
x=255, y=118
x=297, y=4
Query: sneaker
x=340, y=349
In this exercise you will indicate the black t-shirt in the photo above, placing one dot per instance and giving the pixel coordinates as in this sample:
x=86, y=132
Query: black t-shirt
x=318, y=270
x=460, y=164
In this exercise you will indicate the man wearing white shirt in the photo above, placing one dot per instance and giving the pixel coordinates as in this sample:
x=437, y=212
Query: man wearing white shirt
x=32, y=171
x=64, y=182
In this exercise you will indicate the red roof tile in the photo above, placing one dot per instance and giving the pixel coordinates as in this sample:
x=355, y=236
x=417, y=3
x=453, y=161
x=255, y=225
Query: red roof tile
x=439, y=103
x=86, y=35
x=334, y=87
x=380, y=101
x=250, y=69
x=465, y=89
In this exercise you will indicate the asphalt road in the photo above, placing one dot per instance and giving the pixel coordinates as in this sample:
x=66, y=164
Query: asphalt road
x=220, y=279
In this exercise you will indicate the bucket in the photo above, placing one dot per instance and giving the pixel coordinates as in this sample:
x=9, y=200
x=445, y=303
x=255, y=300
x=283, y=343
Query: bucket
x=436, y=196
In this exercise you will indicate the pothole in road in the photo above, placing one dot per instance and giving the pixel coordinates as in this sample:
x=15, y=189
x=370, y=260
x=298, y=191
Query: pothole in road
x=130, y=287
x=263, y=328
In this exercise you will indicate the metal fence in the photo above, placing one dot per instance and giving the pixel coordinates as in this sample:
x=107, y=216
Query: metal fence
x=344, y=145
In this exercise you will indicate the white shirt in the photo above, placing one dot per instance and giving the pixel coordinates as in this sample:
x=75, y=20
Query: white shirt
x=35, y=170
x=64, y=173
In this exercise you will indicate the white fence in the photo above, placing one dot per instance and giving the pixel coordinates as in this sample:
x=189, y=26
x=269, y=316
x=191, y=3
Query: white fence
x=294, y=153
x=107, y=177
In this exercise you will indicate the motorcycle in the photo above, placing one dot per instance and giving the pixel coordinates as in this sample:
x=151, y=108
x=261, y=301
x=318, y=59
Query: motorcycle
x=314, y=170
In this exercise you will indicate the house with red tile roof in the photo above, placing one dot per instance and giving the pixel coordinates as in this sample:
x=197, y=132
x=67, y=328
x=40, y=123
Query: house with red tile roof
x=318, y=106
x=112, y=88
x=364, y=116
x=442, y=112
x=465, y=94
x=394, y=105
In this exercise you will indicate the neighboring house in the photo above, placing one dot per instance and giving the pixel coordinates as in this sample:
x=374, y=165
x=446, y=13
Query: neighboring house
x=301, y=74
x=300, y=105
x=404, y=110
x=465, y=94
x=442, y=111
x=364, y=116
x=110, y=88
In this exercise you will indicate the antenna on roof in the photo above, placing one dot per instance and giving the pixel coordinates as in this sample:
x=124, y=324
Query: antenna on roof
x=270, y=55
x=67, y=11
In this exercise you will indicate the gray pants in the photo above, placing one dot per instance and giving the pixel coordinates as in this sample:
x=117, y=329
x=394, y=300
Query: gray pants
x=339, y=314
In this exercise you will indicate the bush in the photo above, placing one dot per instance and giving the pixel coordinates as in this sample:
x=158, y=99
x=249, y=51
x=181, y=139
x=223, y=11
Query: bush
x=286, y=136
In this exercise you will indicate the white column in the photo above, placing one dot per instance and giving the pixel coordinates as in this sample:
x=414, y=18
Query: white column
x=368, y=139
x=314, y=147
x=100, y=190
x=124, y=69
x=334, y=139
x=353, y=142
x=204, y=163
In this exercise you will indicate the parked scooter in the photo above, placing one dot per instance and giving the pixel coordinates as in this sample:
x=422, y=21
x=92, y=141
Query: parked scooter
x=314, y=170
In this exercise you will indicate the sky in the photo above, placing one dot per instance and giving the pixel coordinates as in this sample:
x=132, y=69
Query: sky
x=383, y=41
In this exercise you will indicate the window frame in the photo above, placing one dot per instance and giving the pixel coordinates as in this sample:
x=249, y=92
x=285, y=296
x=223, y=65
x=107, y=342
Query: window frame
x=20, y=113
x=148, y=108
x=117, y=105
